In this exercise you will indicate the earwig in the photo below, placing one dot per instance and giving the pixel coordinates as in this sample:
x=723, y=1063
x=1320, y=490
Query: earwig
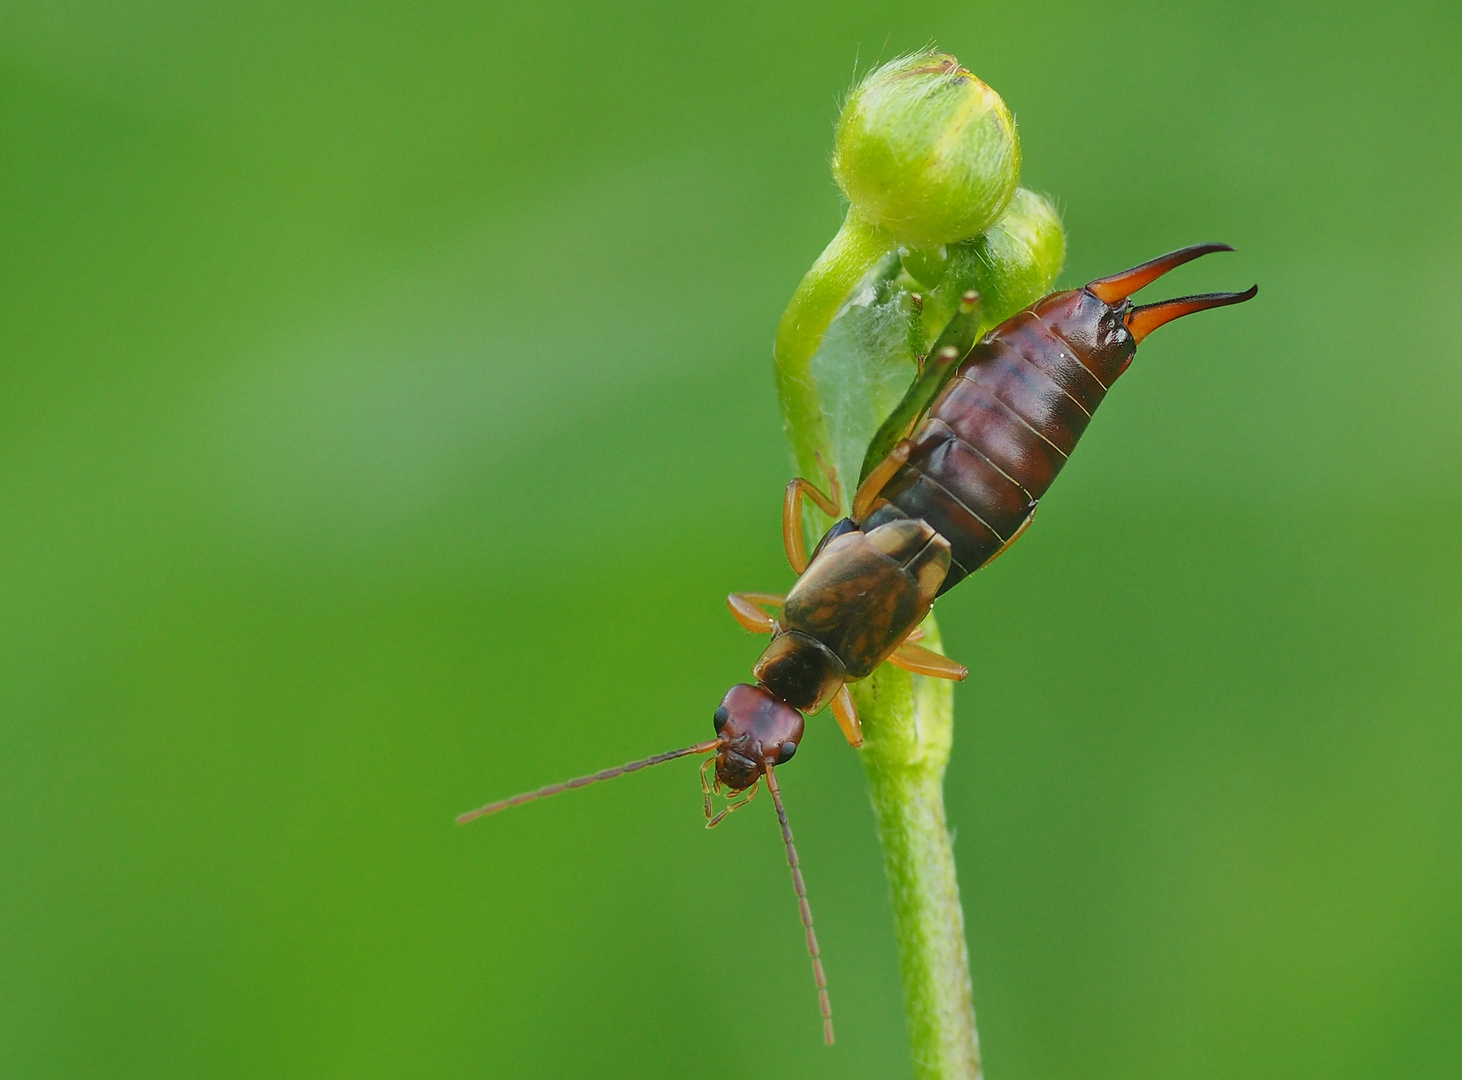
x=951, y=480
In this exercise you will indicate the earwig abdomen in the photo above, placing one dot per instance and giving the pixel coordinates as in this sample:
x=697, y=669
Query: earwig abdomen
x=996, y=437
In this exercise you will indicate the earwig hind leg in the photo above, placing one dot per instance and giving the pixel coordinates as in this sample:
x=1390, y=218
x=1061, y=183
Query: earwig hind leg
x=1019, y=532
x=869, y=491
x=835, y=489
x=746, y=608
x=922, y=661
x=733, y=806
x=846, y=714
x=792, y=538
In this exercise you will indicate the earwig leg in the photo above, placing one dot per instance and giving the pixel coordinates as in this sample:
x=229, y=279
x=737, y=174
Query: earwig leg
x=706, y=787
x=737, y=805
x=835, y=489
x=846, y=714
x=935, y=371
x=792, y=536
x=746, y=608
x=1024, y=525
x=922, y=661
x=882, y=473
x=916, y=634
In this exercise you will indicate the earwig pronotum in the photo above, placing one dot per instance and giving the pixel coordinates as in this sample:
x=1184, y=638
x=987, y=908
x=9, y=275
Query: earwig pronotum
x=952, y=479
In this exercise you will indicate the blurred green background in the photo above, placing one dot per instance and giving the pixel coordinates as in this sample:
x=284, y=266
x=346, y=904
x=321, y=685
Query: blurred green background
x=387, y=407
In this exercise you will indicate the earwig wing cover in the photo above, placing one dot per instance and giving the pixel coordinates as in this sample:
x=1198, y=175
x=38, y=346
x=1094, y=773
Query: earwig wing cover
x=866, y=591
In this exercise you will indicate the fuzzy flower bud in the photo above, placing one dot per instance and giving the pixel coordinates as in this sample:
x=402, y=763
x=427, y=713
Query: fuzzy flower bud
x=927, y=151
x=1018, y=258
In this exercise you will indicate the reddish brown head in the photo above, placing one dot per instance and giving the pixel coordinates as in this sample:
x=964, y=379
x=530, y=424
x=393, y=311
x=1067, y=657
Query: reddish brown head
x=752, y=728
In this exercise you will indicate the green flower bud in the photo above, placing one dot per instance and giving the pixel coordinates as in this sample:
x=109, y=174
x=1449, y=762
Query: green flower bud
x=1002, y=271
x=927, y=151
x=1019, y=257
x=1011, y=265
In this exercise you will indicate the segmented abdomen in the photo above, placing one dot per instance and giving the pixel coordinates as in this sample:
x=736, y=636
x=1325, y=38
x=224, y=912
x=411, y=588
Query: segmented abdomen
x=999, y=432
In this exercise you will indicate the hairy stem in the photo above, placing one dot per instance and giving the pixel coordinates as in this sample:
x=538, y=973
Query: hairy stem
x=909, y=728
x=855, y=253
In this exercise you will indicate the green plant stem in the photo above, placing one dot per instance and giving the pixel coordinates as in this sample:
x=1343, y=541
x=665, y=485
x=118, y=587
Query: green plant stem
x=908, y=724
x=854, y=252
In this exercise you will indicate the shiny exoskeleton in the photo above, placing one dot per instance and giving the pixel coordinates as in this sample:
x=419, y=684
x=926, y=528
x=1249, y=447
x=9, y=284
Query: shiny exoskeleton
x=972, y=449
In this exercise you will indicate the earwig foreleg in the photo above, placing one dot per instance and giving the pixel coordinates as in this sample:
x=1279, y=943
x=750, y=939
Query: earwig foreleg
x=846, y=714
x=922, y=661
x=792, y=537
x=746, y=608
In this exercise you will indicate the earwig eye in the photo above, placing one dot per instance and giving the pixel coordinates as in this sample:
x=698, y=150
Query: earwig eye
x=720, y=718
x=788, y=749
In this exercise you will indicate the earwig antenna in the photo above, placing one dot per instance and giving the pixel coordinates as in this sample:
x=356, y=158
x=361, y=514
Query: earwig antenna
x=801, y=887
x=583, y=781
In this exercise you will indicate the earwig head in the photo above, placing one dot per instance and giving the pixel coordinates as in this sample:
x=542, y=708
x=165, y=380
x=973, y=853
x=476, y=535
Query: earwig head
x=752, y=727
x=755, y=732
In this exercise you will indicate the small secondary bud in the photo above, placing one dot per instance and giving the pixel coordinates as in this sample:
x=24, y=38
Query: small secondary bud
x=927, y=151
x=1018, y=259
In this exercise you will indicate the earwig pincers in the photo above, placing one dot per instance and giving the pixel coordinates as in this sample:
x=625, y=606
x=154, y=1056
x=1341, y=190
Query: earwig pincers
x=952, y=479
